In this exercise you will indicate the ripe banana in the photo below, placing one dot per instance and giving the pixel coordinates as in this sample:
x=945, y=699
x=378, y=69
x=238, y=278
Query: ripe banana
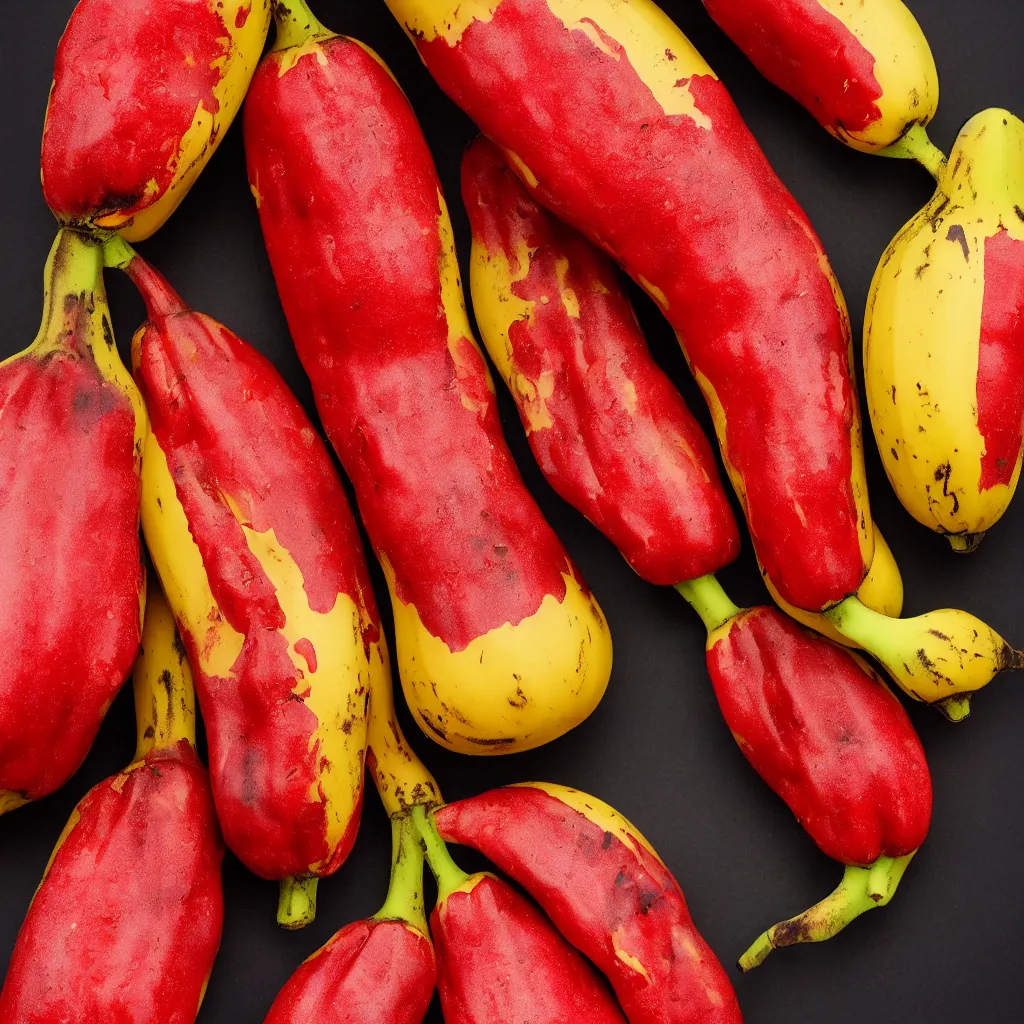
x=944, y=339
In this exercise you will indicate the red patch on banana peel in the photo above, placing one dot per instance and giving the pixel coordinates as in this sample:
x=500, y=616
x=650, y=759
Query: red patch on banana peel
x=232, y=431
x=610, y=896
x=826, y=735
x=1000, y=387
x=350, y=207
x=616, y=439
x=371, y=972
x=809, y=53
x=69, y=547
x=126, y=924
x=128, y=80
x=499, y=959
x=689, y=205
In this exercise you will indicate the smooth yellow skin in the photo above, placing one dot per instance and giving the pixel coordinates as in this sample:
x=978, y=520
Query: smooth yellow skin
x=904, y=69
x=882, y=590
x=514, y=688
x=922, y=333
x=201, y=140
x=336, y=692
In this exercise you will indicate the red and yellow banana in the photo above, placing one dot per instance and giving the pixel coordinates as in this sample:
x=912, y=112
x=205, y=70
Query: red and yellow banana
x=143, y=92
x=72, y=427
x=944, y=339
x=252, y=537
x=864, y=70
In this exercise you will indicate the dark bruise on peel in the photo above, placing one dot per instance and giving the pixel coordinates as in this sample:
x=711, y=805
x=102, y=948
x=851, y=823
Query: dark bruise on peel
x=242, y=452
x=809, y=53
x=1000, y=394
x=69, y=543
x=607, y=893
x=98, y=157
x=405, y=396
x=826, y=735
x=694, y=208
x=145, y=840
x=612, y=435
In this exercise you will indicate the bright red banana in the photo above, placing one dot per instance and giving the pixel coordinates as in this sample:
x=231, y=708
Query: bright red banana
x=259, y=554
x=617, y=125
x=610, y=431
x=143, y=92
x=501, y=646
x=606, y=891
x=71, y=589
x=126, y=922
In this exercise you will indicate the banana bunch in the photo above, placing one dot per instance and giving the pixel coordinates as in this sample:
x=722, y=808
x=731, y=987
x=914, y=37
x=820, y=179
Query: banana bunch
x=944, y=339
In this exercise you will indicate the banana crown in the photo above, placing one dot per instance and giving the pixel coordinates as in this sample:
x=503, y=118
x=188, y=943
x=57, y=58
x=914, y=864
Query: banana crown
x=986, y=165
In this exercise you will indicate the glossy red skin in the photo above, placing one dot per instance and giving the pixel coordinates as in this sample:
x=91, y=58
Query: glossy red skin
x=127, y=922
x=123, y=96
x=807, y=52
x=647, y=478
x=593, y=887
x=70, y=562
x=499, y=959
x=826, y=735
x=1000, y=387
x=228, y=424
x=349, y=209
x=372, y=972
x=700, y=215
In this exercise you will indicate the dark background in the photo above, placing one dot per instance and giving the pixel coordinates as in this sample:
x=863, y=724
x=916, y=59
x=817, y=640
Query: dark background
x=950, y=946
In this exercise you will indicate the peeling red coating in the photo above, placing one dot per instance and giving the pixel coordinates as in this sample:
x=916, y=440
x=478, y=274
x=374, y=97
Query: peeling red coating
x=601, y=894
x=72, y=570
x=349, y=207
x=809, y=53
x=699, y=214
x=622, y=447
x=371, y=972
x=1000, y=387
x=305, y=649
x=242, y=16
x=499, y=959
x=826, y=735
x=127, y=922
x=230, y=428
x=128, y=80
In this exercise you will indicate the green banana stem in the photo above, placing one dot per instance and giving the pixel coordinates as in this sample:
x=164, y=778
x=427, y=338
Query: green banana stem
x=296, y=905
x=296, y=25
x=914, y=144
x=448, y=874
x=74, y=267
x=405, y=894
x=861, y=889
x=709, y=601
x=117, y=253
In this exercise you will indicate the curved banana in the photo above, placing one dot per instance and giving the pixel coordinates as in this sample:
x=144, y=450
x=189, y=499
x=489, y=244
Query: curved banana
x=882, y=590
x=863, y=70
x=944, y=339
x=163, y=79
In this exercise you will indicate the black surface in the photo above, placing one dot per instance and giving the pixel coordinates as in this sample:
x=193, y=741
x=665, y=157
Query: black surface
x=949, y=948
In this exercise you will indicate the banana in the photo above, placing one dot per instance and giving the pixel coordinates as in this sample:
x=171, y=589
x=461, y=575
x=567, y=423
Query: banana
x=944, y=339
x=882, y=590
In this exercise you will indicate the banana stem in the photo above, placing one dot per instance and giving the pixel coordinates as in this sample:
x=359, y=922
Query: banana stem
x=709, y=601
x=165, y=700
x=73, y=267
x=405, y=894
x=296, y=905
x=861, y=889
x=916, y=145
x=448, y=874
x=296, y=24
x=965, y=543
x=160, y=298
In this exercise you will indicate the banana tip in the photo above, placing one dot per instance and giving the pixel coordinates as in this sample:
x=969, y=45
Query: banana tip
x=965, y=543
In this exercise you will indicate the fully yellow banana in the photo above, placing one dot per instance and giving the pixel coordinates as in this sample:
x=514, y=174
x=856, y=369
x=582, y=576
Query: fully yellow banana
x=944, y=339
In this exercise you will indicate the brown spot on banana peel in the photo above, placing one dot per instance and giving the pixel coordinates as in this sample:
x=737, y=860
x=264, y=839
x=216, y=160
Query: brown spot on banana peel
x=956, y=233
